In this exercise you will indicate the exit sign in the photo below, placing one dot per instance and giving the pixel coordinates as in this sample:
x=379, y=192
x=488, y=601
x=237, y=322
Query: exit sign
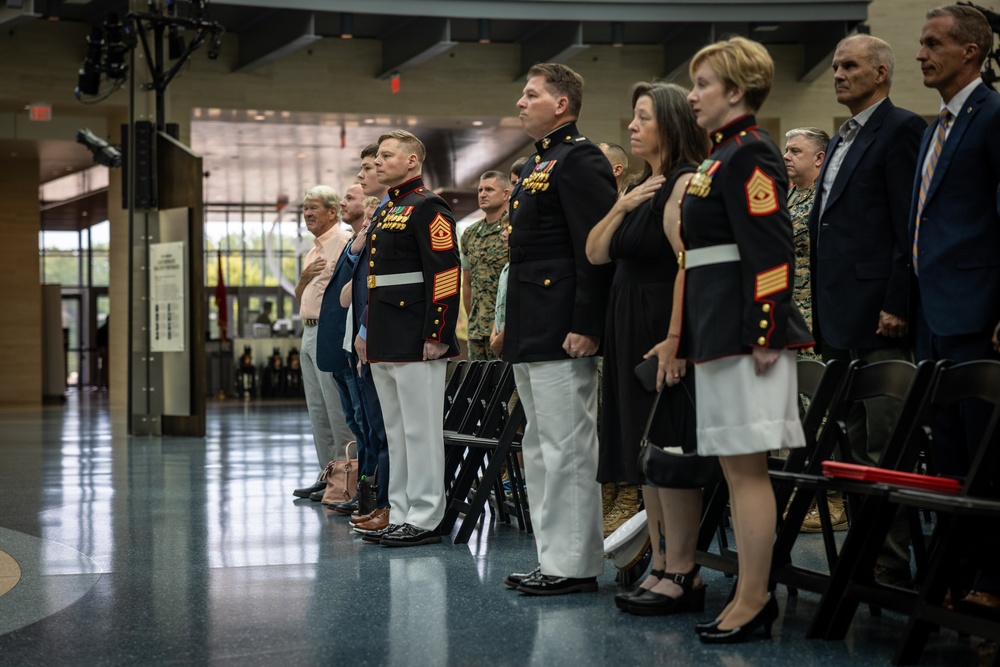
x=41, y=112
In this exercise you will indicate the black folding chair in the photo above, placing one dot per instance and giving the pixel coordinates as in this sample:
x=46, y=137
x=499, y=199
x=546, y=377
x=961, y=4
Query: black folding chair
x=477, y=450
x=956, y=515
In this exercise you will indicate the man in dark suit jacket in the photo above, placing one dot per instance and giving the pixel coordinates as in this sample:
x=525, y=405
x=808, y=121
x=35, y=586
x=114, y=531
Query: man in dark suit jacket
x=331, y=356
x=956, y=241
x=860, y=247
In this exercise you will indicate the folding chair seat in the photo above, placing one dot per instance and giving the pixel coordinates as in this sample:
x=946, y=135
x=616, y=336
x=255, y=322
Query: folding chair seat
x=955, y=512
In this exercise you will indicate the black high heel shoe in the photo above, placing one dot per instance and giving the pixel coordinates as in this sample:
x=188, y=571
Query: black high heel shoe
x=706, y=626
x=765, y=618
x=621, y=599
x=658, y=604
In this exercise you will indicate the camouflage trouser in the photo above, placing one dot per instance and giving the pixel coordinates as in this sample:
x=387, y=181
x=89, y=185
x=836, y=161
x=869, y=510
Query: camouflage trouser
x=479, y=349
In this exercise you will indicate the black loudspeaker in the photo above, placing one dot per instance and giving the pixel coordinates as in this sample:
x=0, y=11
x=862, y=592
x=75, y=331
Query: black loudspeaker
x=145, y=185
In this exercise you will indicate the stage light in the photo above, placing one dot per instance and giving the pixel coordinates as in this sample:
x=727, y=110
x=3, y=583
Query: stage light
x=104, y=153
x=90, y=72
x=115, y=64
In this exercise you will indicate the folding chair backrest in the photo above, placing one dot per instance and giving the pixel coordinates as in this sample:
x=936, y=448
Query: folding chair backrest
x=973, y=380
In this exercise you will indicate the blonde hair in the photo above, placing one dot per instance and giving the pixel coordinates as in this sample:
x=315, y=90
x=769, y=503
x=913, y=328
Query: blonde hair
x=408, y=141
x=742, y=64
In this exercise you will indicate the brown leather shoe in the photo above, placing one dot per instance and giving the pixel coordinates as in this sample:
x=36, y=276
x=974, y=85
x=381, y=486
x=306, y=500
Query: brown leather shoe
x=982, y=599
x=355, y=520
x=379, y=520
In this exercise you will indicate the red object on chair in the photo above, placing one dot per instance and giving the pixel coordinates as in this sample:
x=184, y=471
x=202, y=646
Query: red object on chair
x=872, y=474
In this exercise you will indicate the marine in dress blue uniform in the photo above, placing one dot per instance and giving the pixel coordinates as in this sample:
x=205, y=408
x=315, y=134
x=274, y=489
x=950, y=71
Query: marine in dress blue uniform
x=556, y=306
x=413, y=304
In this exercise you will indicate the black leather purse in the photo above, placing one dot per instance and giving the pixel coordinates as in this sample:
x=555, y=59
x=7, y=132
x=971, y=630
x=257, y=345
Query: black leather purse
x=670, y=467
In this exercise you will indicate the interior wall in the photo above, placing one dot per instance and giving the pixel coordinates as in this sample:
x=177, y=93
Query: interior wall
x=21, y=333
x=333, y=75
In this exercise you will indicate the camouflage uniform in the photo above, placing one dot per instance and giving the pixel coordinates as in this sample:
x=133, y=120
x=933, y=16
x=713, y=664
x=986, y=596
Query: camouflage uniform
x=800, y=201
x=483, y=256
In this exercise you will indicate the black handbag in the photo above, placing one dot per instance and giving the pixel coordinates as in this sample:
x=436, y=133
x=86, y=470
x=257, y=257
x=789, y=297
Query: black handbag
x=366, y=494
x=672, y=467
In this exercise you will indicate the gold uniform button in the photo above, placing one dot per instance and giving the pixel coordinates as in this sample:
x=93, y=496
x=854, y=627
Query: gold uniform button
x=371, y=263
x=743, y=133
x=434, y=335
x=761, y=340
x=763, y=324
x=374, y=237
x=373, y=251
x=547, y=282
x=440, y=309
x=437, y=321
x=402, y=303
x=516, y=204
x=538, y=158
x=766, y=308
x=568, y=137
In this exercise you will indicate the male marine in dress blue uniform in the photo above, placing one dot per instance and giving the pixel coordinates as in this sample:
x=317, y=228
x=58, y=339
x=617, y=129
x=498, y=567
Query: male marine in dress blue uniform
x=413, y=288
x=556, y=304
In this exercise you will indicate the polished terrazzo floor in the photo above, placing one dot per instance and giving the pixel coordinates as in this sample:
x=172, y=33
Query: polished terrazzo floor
x=183, y=551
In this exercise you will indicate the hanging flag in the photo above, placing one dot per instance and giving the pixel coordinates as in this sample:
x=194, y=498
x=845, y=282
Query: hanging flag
x=220, y=300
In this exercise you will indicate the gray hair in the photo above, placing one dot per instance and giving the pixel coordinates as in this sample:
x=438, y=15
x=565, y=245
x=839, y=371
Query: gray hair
x=325, y=195
x=816, y=137
x=879, y=53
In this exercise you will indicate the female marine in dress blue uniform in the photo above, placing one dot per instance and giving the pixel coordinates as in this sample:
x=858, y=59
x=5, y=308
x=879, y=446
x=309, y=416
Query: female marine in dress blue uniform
x=740, y=325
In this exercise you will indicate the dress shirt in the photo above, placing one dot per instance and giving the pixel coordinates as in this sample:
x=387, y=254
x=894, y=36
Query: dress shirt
x=848, y=133
x=329, y=246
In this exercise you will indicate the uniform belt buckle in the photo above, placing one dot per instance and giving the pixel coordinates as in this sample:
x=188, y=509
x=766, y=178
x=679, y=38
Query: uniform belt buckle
x=680, y=260
x=371, y=282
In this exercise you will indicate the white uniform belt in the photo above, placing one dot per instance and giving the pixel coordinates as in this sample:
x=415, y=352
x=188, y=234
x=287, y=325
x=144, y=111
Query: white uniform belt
x=716, y=254
x=411, y=278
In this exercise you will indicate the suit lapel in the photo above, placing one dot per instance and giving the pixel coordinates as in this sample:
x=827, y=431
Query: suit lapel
x=818, y=205
x=857, y=150
x=961, y=124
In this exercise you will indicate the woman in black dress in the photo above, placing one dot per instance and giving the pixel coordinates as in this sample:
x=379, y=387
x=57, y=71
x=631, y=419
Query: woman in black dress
x=640, y=235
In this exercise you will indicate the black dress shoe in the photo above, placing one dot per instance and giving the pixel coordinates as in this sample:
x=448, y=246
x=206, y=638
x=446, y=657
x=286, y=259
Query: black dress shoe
x=765, y=618
x=514, y=579
x=651, y=603
x=346, y=507
x=307, y=492
x=621, y=599
x=409, y=535
x=317, y=496
x=543, y=584
x=375, y=536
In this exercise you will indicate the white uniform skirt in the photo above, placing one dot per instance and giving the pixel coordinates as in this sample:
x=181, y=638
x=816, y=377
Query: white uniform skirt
x=740, y=412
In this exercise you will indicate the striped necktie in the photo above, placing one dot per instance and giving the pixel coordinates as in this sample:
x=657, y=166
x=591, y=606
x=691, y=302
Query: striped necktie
x=928, y=173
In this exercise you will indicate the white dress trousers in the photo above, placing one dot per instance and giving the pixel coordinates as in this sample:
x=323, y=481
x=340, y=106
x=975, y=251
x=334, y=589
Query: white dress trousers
x=412, y=398
x=330, y=431
x=560, y=461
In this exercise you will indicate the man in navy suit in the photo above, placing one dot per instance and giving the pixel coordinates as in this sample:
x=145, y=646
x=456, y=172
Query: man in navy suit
x=331, y=356
x=955, y=228
x=860, y=247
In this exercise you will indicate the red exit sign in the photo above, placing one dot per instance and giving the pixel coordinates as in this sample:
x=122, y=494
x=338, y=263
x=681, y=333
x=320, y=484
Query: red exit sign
x=42, y=112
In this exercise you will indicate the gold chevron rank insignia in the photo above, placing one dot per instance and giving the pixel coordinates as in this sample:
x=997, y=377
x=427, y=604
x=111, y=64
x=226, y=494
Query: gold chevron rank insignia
x=771, y=281
x=441, y=236
x=762, y=194
x=445, y=284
